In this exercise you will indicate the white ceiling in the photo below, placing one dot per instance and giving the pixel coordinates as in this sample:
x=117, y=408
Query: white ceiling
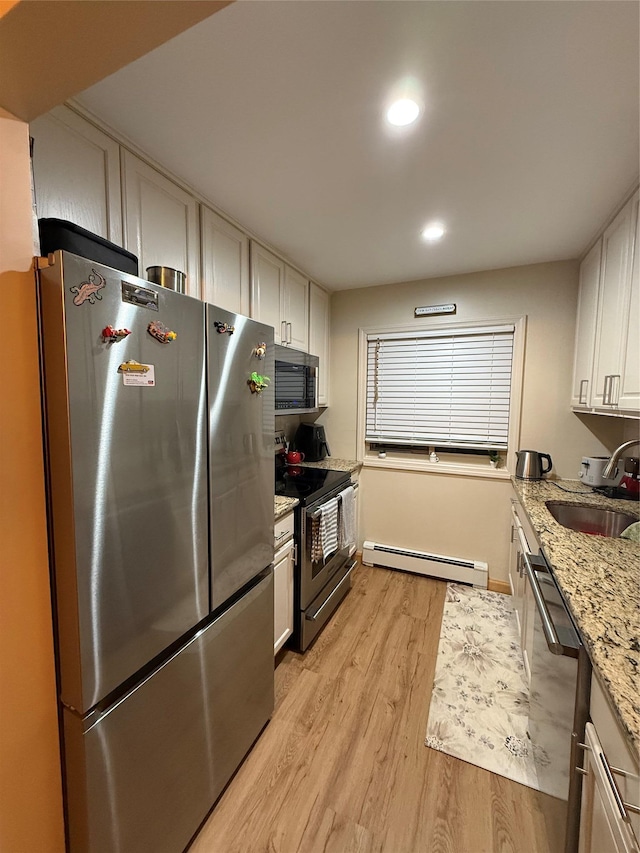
x=274, y=111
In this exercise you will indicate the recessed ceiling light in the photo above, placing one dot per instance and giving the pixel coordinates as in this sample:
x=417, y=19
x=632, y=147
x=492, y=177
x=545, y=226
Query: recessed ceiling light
x=403, y=112
x=433, y=232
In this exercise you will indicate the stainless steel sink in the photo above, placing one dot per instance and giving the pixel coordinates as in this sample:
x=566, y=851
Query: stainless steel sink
x=590, y=519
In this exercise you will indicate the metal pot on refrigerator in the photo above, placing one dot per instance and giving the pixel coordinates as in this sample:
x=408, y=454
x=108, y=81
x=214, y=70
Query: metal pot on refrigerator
x=529, y=465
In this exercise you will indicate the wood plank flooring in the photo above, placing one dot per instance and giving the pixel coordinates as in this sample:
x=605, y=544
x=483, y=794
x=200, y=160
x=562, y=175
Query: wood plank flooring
x=342, y=766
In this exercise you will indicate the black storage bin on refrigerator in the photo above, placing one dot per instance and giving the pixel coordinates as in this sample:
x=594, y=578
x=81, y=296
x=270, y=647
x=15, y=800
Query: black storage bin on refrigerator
x=60, y=234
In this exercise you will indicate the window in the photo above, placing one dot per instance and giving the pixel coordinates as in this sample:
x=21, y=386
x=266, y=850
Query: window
x=449, y=388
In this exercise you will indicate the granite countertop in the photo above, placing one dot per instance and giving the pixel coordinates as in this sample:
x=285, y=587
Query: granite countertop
x=600, y=580
x=283, y=505
x=334, y=464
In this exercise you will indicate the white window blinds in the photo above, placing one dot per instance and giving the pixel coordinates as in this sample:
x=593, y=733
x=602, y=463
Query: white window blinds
x=444, y=388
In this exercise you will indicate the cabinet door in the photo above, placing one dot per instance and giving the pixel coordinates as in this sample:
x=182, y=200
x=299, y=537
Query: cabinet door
x=76, y=171
x=516, y=581
x=267, y=283
x=319, y=337
x=602, y=828
x=586, y=327
x=613, y=307
x=225, y=263
x=295, y=305
x=629, y=397
x=283, y=596
x=161, y=221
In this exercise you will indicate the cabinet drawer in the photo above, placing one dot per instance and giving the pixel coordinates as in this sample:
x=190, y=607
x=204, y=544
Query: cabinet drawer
x=283, y=530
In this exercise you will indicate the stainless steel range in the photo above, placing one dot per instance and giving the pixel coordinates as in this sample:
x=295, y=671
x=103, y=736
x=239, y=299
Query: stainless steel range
x=321, y=581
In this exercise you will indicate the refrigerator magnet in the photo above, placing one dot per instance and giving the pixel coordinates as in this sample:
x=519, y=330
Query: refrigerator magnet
x=110, y=335
x=160, y=332
x=257, y=383
x=89, y=289
x=139, y=375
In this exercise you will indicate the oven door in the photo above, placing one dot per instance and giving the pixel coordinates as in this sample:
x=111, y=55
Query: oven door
x=315, y=574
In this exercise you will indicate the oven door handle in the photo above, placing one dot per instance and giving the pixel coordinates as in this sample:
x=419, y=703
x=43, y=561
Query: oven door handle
x=548, y=628
x=313, y=616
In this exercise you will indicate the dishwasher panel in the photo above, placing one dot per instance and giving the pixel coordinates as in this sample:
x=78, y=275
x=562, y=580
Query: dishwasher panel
x=558, y=703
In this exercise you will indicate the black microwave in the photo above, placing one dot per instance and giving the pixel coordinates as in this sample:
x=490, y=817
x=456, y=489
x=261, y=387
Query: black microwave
x=296, y=381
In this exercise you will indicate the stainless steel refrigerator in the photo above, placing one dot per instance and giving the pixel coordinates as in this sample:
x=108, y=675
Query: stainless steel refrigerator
x=160, y=482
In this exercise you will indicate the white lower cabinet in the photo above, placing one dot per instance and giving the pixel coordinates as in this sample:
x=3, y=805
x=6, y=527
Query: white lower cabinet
x=161, y=221
x=609, y=821
x=283, y=582
x=522, y=541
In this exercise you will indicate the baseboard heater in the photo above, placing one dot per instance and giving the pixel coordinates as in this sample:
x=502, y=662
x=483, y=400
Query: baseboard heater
x=433, y=565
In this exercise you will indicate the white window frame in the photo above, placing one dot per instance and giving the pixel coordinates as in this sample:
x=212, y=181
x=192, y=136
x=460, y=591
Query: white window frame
x=416, y=462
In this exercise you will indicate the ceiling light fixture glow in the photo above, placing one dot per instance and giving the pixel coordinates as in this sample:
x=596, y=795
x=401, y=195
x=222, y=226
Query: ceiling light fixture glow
x=433, y=232
x=403, y=112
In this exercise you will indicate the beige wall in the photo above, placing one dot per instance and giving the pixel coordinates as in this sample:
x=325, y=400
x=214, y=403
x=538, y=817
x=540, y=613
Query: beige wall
x=30, y=783
x=455, y=515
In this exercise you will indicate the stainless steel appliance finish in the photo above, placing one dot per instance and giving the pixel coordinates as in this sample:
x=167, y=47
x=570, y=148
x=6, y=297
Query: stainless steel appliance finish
x=315, y=575
x=165, y=667
x=558, y=704
x=241, y=430
x=296, y=381
x=319, y=585
x=529, y=464
x=127, y=474
x=167, y=277
x=590, y=519
x=147, y=771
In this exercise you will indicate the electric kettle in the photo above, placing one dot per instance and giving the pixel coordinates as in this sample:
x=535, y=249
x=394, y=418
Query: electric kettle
x=529, y=464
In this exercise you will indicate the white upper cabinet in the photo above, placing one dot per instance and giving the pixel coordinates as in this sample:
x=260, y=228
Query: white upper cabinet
x=629, y=396
x=267, y=283
x=77, y=173
x=280, y=298
x=295, y=309
x=586, y=326
x=225, y=263
x=319, y=305
x=607, y=352
x=613, y=308
x=161, y=221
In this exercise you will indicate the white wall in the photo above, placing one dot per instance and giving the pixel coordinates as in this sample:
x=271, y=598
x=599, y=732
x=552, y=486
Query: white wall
x=448, y=514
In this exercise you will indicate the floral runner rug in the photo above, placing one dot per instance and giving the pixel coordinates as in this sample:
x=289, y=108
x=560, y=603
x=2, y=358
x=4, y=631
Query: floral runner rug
x=480, y=700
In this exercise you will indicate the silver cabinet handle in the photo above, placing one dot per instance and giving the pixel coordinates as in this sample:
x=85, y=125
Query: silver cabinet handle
x=614, y=788
x=614, y=398
x=289, y=335
x=283, y=332
x=584, y=385
x=283, y=535
x=605, y=391
x=609, y=770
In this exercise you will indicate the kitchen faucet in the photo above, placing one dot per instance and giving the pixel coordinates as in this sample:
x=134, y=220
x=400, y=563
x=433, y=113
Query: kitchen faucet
x=610, y=468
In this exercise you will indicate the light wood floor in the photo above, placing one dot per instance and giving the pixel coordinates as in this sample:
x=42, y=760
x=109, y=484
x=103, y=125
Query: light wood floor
x=342, y=766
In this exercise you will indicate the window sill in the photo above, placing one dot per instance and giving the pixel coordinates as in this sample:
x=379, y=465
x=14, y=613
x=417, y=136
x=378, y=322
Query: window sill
x=426, y=467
